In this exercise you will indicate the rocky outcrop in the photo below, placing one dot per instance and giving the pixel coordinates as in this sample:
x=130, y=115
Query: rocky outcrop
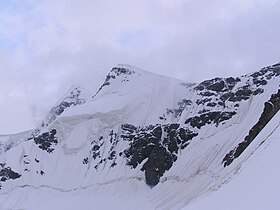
x=208, y=118
x=47, y=140
x=158, y=146
x=270, y=109
x=7, y=173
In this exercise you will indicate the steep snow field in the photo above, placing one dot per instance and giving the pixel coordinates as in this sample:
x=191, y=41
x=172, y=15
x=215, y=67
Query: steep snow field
x=257, y=186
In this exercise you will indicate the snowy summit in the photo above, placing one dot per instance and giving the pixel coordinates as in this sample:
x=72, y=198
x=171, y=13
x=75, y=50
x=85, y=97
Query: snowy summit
x=141, y=141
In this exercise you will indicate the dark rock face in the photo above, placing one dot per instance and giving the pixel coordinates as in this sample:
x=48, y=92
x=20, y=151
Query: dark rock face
x=142, y=144
x=97, y=150
x=267, y=72
x=217, y=91
x=216, y=85
x=158, y=145
x=7, y=173
x=222, y=93
x=242, y=93
x=47, y=141
x=270, y=109
x=159, y=161
x=208, y=118
x=119, y=71
x=85, y=161
x=203, y=101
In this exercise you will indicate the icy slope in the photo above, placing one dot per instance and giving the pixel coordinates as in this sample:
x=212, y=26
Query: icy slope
x=174, y=141
x=257, y=187
x=9, y=141
x=138, y=96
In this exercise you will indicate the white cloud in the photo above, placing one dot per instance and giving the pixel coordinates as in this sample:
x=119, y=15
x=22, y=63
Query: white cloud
x=46, y=46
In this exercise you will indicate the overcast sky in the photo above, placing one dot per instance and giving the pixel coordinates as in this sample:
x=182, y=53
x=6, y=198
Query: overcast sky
x=46, y=46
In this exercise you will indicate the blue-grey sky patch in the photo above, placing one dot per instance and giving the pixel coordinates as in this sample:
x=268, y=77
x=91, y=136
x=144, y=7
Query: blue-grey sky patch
x=141, y=39
x=6, y=44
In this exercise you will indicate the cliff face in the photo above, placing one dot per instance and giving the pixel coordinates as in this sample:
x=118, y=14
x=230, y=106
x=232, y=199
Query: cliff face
x=180, y=139
x=270, y=109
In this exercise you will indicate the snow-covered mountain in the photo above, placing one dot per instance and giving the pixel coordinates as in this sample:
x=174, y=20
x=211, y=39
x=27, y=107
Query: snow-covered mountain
x=76, y=95
x=160, y=141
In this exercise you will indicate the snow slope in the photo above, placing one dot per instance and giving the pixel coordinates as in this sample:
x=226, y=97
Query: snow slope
x=159, y=141
x=76, y=95
x=257, y=186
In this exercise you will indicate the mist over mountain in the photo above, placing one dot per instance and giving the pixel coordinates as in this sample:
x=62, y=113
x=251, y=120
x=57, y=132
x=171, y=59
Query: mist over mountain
x=141, y=141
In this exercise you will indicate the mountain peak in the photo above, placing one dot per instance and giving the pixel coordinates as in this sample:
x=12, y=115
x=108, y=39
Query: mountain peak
x=132, y=68
x=127, y=76
x=76, y=95
x=181, y=140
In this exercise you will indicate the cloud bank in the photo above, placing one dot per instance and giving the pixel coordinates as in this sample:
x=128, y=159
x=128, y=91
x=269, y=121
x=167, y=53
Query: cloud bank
x=47, y=46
